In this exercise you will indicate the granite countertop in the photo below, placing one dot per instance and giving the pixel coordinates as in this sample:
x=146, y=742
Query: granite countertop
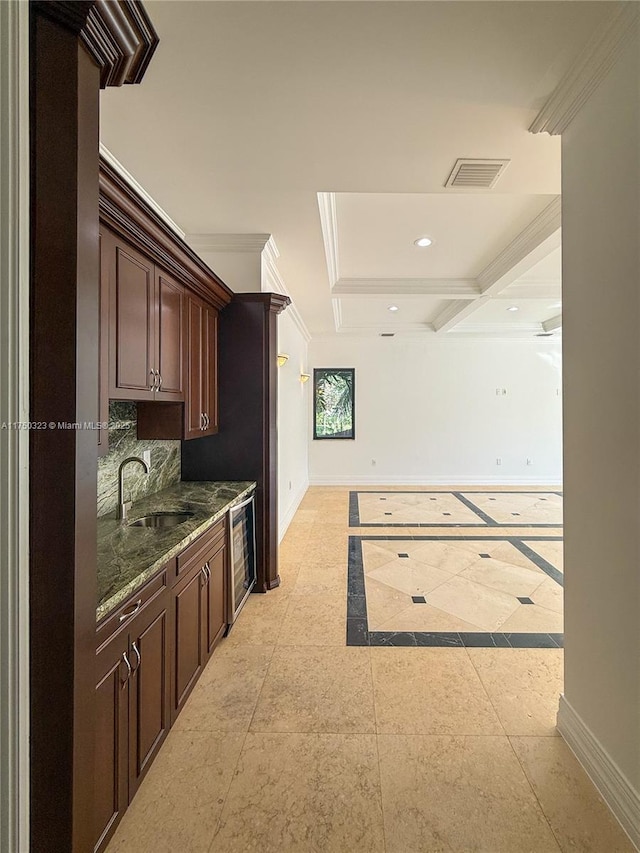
x=129, y=556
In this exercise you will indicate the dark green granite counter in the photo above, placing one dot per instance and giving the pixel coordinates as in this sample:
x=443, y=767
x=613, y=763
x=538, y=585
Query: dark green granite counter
x=129, y=556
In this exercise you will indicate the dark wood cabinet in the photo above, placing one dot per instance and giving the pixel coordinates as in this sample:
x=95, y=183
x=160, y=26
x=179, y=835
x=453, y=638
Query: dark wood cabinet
x=111, y=792
x=132, y=704
x=199, y=415
x=145, y=324
x=103, y=342
x=200, y=611
x=201, y=410
x=246, y=443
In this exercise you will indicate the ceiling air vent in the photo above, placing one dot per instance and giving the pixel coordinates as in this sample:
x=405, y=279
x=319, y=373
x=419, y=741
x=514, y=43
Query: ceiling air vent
x=476, y=174
x=387, y=334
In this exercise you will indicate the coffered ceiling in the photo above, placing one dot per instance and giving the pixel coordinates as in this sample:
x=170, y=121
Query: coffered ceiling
x=333, y=126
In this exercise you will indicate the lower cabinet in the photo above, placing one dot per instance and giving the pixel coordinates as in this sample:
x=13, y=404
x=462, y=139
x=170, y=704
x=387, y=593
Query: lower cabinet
x=132, y=705
x=150, y=654
x=200, y=619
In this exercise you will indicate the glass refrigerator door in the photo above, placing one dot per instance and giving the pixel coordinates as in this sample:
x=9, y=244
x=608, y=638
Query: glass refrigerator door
x=243, y=552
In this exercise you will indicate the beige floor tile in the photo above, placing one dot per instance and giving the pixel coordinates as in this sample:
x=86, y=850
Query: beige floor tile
x=550, y=595
x=315, y=620
x=304, y=793
x=541, y=508
x=410, y=577
x=260, y=620
x=552, y=551
x=458, y=794
x=452, y=557
x=578, y=816
x=322, y=577
x=179, y=803
x=529, y=618
x=475, y=603
x=423, y=617
x=505, y=577
x=288, y=573
x=316, y=690
x=524, y=686
x=430, y=691
x=383, y=602
x=225, y=697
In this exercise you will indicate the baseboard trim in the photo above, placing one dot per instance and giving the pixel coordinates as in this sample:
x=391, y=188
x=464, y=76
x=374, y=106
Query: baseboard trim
x=287, y=518
x=614, y=787
x=377, y=480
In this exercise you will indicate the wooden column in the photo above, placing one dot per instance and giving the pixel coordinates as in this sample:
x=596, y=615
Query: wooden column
x=75, y=47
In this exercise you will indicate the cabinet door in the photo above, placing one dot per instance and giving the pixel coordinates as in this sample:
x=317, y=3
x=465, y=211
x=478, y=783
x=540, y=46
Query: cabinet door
x=189, y=648
x=149, y=689
x=132, y=316
x=210, y=369
x=168, y=338
x=111, y=764
x=107, y=261
x=193, y=402
x=216, y=598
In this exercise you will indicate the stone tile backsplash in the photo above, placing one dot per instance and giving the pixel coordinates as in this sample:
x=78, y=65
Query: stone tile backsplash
x=165, y=461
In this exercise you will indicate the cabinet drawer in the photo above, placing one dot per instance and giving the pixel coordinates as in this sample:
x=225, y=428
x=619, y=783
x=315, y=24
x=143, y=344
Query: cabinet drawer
x=196, y=554
x=131, y=607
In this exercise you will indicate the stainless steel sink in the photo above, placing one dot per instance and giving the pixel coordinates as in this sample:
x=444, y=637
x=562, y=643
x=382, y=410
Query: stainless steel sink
x=162, y=519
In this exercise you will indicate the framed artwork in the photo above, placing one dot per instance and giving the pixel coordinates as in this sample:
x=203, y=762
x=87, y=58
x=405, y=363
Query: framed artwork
x=334, y=402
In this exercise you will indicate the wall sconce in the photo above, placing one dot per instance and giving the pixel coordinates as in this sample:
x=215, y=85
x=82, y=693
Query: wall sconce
x=305, y=377
x=283, y=358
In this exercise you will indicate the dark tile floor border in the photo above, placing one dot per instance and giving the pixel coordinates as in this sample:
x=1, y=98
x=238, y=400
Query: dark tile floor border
x=484, y=519
x=358, y=633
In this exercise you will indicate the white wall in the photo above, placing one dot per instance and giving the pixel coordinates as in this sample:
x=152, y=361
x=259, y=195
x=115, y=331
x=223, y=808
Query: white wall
x=293, y=421
x=428, y=412
x=601, y=309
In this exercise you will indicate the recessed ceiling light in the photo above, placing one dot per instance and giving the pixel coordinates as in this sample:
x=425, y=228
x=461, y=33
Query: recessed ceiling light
x=513, y=308
x=393, y=307
x=423, y=242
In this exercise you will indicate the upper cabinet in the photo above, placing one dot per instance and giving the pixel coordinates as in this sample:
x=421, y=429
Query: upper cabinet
x=201, y=331
x=145, y=326
x=159, y=311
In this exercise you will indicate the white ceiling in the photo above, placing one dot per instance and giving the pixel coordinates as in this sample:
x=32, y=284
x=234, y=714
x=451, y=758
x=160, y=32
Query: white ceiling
x=249, y=110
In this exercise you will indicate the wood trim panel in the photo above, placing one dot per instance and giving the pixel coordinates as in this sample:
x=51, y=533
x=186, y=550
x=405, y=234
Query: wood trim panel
x=121, y=39
x=122, y=209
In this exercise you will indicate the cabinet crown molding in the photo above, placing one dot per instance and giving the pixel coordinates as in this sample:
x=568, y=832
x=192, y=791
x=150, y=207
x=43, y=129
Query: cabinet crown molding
x=125, y=212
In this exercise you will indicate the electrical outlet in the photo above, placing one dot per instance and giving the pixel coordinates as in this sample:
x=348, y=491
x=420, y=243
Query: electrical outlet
x=373, y=461
x=499, y=461
x=529, y=460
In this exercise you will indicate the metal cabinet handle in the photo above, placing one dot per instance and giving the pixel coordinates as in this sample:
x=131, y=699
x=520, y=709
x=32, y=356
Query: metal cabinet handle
x=201, y=420
x=129, y=670
x=206, y=421
x=204, y=574
x=135, y=649
x=129, y=613
x=152, y=373
x=208, y=570
x=159, y=381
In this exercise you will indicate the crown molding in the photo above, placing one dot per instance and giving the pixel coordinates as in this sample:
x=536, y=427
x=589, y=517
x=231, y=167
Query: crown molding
x=553, y=323
x=229, y=243
x=123, y=210
x=543, y=234
x=590, y=68
x=329, y=223
x=336, y=305
x=117, y=166
x=121, y=39
x=532, y=289
x=444, y=287
x=273, y=281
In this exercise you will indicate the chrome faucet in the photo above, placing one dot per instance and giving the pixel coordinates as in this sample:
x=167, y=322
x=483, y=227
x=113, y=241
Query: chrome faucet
x=123, y=506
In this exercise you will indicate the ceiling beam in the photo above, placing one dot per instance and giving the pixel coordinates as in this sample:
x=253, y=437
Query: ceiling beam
x=531, y=245
x=552, y=324
x=456, y=312
x=446, y=288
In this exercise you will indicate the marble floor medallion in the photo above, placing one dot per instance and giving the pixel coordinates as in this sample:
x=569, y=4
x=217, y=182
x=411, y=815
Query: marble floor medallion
x=490, y=591
x=455, y=509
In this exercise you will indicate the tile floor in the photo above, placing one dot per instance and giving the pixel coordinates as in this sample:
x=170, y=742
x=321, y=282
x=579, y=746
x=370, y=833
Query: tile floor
x=293, y=742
